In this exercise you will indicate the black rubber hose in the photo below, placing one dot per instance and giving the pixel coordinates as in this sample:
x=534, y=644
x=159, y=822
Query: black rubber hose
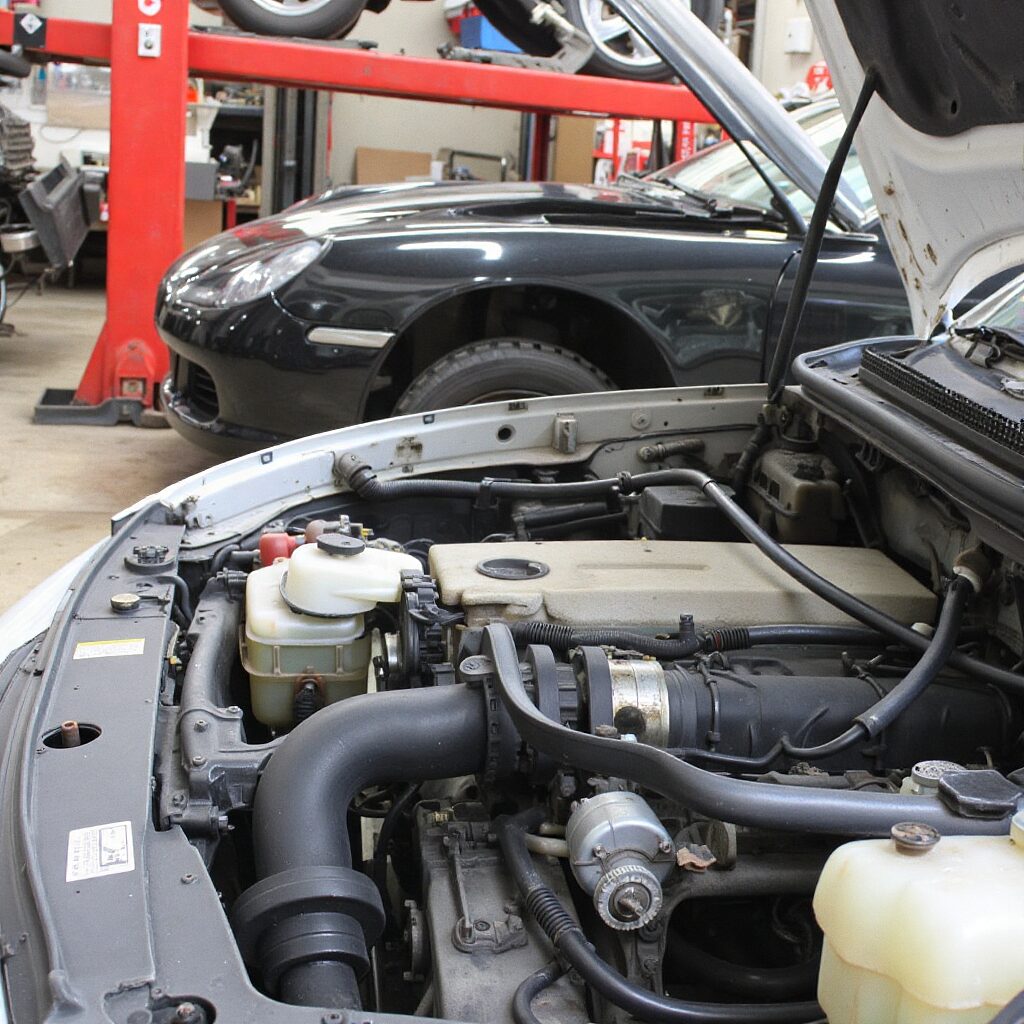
x=734, y=638
x=222, y=555
x=401, y=804
x=1012, y=1012
x=773, y=984
x=833, y=812
x=883, y=713
x=184, y=597
x=800, y=634
x=522, y=1010
x=564, y=638
x=398, y=736
x=214, y=650
x=568, y=939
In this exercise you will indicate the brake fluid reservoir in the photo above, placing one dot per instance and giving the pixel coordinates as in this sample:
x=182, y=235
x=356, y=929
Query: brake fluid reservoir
x=932, y=936
x=305, y=625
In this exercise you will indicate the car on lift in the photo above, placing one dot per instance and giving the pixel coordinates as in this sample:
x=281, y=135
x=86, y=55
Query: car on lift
x=695, y=705
x=375, y=300
x=616, y=49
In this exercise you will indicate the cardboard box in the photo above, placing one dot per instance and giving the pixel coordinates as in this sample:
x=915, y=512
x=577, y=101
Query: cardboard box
x=574, y=150
x=203, y=219
x=376, y=166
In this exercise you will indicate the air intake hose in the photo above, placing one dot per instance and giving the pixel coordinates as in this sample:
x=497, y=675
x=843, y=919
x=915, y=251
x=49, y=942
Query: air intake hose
x=857, y=812
x=307, y=925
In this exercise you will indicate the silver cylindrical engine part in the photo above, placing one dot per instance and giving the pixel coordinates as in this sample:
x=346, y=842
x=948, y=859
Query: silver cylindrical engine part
x=620, y=854
x=639, y=692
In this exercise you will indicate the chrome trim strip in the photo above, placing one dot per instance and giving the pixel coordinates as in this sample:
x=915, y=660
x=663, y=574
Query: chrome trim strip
x=348, y=336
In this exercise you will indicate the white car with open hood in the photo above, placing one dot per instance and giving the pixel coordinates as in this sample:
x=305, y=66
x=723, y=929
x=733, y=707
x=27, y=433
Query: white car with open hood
x=691, y=705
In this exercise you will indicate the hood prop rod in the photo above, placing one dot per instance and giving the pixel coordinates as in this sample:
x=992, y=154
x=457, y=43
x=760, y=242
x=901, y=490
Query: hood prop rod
x=809, y=253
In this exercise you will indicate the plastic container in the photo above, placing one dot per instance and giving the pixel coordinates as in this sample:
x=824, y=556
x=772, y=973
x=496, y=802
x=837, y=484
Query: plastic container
x=283, y=648
x=934, y=937
x=344, y=584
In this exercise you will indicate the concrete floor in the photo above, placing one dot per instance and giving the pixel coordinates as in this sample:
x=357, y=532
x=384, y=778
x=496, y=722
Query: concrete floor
x=60, y=485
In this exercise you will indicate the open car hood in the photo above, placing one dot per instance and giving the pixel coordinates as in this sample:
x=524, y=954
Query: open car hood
x=741, y=104
x=941, y=142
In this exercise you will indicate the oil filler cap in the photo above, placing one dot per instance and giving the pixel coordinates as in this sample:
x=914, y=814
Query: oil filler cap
x=512, y=569
x=340, y=544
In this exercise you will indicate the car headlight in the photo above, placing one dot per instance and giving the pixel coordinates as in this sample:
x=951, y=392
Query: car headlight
x=250, y=277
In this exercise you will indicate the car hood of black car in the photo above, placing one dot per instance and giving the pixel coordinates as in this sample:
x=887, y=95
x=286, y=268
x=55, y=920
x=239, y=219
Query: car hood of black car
x=941, y=141
x=351, y=211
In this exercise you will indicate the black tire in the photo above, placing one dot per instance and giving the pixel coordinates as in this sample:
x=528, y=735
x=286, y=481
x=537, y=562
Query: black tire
x=610, y=66
x=333, y=19
x=512, y=20
x=502, y=369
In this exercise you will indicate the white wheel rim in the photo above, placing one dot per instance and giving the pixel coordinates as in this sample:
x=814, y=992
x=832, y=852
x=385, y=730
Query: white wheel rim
x=614, y=38
x=291, y=8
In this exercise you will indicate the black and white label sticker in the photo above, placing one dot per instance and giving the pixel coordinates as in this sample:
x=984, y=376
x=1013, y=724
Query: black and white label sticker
x=100, y=850
x=109, y=648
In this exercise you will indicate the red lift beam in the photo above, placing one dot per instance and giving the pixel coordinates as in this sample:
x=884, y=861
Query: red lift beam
x=151, y=52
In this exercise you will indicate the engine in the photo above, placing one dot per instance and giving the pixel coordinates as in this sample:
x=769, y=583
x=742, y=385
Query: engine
x=585, y=756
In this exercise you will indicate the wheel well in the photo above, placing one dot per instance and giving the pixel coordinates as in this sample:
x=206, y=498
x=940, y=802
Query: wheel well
x=594, y=330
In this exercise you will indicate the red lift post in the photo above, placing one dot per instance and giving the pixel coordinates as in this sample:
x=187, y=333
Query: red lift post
x=151, y=52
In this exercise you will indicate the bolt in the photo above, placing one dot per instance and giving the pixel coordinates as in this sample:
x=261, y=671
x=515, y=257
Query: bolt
x=914, y=836
x=187, y=1013
x=201, y=725
x=599, y=850
x=233, y=709
x=70, y=734
x=665, y=847
x=177, y=799
x=198, y=761
x=188, y=878
x=331, y=1018
x=482, y=926
x=630, y=902
x=649, y=966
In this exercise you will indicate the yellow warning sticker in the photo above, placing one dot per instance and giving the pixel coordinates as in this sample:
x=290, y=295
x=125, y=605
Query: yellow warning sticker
x=109, y=648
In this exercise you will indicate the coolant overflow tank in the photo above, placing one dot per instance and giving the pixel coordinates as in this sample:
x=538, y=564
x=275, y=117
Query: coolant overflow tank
x=620, y=854
x=935, y=935
x=304, y=643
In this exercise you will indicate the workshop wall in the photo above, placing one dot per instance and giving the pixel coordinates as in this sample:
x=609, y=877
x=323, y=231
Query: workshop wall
x=100, y=10
x=783, y=46
x=417, y=29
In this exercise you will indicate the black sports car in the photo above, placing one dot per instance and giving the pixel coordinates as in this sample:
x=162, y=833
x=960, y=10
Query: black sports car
x=409, y=297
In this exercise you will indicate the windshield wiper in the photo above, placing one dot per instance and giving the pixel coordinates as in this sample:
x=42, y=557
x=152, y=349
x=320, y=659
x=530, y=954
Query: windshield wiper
x=1001, y=341
x=717, y=206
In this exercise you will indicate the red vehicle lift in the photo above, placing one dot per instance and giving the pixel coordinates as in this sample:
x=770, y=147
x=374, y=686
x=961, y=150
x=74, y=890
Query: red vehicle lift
x=151, y=52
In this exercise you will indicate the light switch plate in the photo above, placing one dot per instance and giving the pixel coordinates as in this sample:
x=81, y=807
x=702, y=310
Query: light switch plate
x=150, y=40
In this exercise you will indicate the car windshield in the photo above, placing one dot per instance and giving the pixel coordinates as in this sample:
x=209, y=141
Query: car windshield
x=725, y=171
x=1003, y=311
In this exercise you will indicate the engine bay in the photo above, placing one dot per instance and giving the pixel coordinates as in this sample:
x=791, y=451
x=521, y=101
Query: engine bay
x=589, y=742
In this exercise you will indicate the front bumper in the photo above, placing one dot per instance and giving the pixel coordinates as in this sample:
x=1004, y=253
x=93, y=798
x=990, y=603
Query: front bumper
x=211, y=432
x=248, y=378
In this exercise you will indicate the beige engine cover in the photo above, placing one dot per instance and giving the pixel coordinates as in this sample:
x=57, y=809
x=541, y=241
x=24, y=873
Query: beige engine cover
x=650, y=584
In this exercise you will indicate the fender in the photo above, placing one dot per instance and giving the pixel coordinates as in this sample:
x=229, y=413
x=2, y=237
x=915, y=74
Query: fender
x=656, y=338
